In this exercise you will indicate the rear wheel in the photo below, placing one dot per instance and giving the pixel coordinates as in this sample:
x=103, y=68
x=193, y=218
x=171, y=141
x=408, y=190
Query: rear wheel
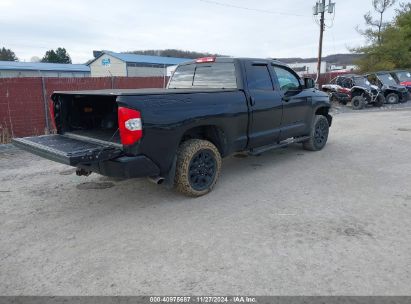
x=379, y=102
x=318, y=135
x=392, y=98
x=357, y=102
x=198, y=167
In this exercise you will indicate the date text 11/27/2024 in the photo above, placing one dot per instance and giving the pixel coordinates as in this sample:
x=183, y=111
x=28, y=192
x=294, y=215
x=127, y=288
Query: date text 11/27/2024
x=203, y=299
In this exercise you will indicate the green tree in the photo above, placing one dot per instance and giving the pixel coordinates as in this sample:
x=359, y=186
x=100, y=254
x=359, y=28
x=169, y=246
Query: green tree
x=7, y=55
x=60, y=55
x=393, y=50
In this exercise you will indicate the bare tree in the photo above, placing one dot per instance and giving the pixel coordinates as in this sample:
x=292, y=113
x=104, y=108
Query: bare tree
x=375, y=26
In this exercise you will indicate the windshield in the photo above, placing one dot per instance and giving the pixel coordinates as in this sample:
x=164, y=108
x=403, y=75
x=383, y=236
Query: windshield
x=387, y=79
x=361, y=81
x=403, y=76
x=204, y=75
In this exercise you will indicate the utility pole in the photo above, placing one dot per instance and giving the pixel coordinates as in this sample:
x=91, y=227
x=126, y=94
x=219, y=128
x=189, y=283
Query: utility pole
x=320, y=46
x=319, y=9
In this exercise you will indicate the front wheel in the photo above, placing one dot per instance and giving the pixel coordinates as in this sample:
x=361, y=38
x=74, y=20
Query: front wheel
x=318, y=135
x=392, y=98
x=379, y=102
x=198, y=167
x=357, y=102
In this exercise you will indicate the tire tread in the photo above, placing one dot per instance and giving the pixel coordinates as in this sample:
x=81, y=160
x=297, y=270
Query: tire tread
x=310, y=144
x=185, y=153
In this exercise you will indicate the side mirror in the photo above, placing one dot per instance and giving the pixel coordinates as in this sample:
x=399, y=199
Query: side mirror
x=309, y=83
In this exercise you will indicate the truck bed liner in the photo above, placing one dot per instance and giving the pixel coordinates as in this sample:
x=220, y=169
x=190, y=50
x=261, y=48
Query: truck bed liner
x=101, y=135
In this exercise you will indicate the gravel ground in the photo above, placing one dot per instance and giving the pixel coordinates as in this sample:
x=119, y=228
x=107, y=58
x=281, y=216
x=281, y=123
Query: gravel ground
x=290, y=222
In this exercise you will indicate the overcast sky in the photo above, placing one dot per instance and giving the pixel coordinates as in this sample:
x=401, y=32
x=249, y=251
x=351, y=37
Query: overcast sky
x=281, y=29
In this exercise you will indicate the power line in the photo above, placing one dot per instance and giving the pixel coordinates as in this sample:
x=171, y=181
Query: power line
x=251, y=9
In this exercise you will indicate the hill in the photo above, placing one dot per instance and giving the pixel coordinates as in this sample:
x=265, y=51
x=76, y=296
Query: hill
x=173, y=53
x=338, y=59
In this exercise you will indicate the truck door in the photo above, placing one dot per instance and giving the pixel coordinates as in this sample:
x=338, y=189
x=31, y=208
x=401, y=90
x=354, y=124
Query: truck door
x=296, y=102
x=265, y=105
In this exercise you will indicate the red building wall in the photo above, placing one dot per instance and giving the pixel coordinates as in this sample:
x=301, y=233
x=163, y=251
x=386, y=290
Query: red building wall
x=22, y=106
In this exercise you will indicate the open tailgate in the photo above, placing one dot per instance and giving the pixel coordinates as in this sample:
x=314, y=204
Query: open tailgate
x=66, y=150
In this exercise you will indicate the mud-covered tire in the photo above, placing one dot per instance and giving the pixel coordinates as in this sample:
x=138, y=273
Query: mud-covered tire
x=392, y=98
x=357, y=102
x=318, y=135
x=198, y=167
x=379, y=102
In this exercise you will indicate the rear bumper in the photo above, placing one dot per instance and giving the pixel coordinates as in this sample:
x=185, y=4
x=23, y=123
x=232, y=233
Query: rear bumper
x=125, y=167
x=101, y=158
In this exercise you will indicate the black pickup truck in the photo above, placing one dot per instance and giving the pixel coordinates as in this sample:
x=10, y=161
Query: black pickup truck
x=212, y=107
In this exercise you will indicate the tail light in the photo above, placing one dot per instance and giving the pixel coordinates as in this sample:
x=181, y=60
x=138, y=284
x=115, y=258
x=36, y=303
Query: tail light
x=130, y=125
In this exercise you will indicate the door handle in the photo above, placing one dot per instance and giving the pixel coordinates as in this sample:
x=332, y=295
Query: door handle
x=252, y=101
x=286, y=99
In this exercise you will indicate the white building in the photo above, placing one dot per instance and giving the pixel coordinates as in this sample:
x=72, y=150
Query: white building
x=343, y=68
x=309, y=67
x=131, y=65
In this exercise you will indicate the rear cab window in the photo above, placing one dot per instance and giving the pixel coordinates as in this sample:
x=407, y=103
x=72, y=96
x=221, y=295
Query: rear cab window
x=217, y=75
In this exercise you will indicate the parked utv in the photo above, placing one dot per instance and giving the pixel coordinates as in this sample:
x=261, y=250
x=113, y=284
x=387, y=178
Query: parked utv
x=338, y=90
x=354, y=88
x=392, y=91
x=403, y=78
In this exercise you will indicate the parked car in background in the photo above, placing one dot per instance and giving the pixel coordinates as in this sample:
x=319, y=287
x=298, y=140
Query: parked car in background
x=392, y=91
x=403, y=78
x=354, y=88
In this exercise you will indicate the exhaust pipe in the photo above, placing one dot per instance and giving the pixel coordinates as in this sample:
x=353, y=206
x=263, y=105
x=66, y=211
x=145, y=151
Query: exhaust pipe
x=158, y=180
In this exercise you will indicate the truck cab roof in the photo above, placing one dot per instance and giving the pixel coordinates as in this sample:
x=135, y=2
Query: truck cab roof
x=232, y=59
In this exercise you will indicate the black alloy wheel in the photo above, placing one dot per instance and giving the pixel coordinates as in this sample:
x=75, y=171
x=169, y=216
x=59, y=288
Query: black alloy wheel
x=202, y=170
x=318, y=135
x=198, y=167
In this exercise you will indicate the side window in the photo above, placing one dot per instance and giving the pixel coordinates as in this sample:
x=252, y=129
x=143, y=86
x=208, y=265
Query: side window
x=258, y=78
x=372, y=79
x=346, y=83
x=287, y=80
